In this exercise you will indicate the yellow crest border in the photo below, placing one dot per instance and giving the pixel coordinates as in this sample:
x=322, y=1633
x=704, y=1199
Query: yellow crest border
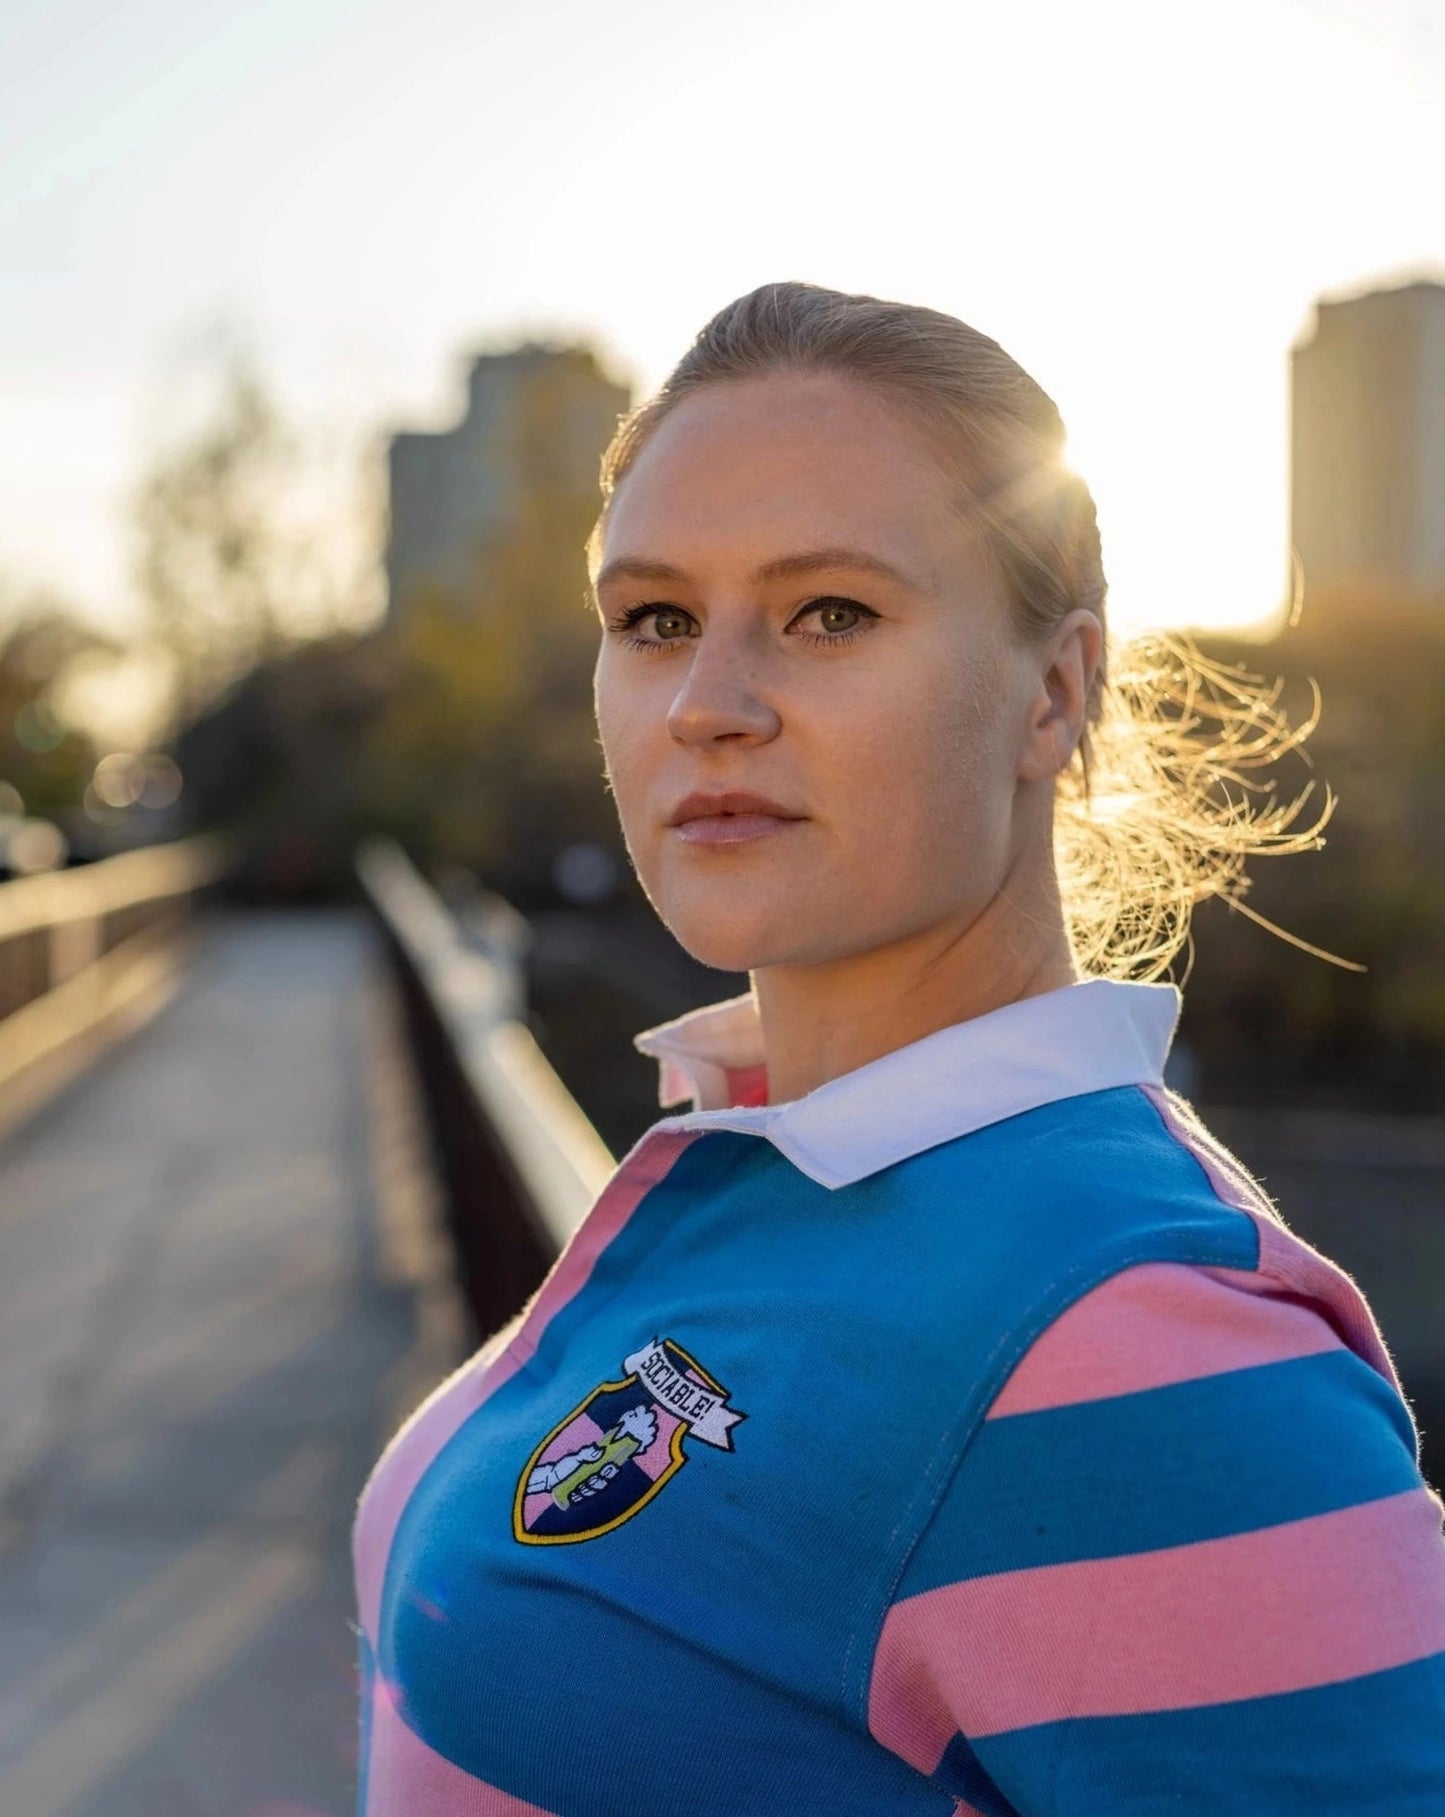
x=677, y=1460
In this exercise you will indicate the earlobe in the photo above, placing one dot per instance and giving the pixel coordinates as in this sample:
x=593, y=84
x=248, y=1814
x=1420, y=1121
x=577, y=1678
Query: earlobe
x=1044, y=754
x=1060, y=747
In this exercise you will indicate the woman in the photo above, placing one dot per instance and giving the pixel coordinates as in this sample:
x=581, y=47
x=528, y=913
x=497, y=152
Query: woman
x=934, y=1417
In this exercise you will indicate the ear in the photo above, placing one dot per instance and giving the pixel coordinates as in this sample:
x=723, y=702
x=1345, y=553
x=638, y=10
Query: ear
x=1067, y=664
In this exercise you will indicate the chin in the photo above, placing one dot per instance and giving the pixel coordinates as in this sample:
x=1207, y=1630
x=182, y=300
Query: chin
x=725, y=949
x=741, y=943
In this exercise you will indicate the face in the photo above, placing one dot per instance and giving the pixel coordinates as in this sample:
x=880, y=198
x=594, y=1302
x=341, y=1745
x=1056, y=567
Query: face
x=811, y=621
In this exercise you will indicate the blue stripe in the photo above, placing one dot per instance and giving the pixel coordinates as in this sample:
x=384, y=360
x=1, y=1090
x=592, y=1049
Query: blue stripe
x=961, y=1772
x=1372, y=1746
x=1195, y=1460
x=566, y=1702
x=699, y=1176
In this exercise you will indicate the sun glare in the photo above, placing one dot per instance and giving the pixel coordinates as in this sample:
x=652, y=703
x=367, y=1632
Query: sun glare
x=1195, y=534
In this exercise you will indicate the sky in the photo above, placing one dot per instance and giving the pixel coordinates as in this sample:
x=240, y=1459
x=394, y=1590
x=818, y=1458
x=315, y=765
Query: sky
x=1141, y=202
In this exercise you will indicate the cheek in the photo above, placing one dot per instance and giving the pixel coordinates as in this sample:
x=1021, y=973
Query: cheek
x=631, y=727
x=621, y=723
x=925, y=757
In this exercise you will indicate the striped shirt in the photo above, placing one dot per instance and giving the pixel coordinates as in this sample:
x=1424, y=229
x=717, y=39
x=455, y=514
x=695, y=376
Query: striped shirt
x=970, y=1435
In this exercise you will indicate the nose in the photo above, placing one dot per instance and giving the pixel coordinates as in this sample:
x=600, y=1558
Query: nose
x=723, y=695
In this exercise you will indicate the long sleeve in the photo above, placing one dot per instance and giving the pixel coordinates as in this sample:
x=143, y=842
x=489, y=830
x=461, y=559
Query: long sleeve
x=1187, y=1563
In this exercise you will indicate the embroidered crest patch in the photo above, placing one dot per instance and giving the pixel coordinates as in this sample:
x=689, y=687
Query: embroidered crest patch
x=613, y=1452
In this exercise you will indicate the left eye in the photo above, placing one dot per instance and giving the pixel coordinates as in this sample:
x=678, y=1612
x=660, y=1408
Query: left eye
x=825, y=610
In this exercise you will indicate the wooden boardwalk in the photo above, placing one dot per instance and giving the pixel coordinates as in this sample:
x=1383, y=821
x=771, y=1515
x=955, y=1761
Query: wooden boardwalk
x=219, y=1293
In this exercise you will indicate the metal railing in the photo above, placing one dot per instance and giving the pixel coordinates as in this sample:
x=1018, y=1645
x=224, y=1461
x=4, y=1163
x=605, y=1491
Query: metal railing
x=521, y=1164
x=77, y=948
x=55, y=925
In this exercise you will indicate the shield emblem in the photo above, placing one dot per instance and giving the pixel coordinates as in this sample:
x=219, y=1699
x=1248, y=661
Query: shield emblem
x=615, y=1450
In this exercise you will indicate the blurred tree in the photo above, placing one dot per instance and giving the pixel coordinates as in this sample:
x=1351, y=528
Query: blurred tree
x=210, y=570
x=43, y=758
x=256, y=560
x=243, y=552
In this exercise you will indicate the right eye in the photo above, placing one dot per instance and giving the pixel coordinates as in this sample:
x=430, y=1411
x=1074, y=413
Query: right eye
x=662, y=613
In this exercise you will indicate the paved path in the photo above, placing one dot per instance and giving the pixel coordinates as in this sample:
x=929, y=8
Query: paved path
x=209, y=1251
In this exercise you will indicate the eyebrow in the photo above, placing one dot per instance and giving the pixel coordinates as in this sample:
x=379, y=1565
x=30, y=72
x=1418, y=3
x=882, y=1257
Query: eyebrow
x=782, y=567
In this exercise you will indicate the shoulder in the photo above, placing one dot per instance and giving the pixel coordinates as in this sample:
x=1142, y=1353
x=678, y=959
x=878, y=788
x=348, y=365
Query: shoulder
x=1153, y=1321
x=1091, y=1171
x=1172, y=1403
x=1127, y=1198
x=1158, y=1324
x=1010, y=1226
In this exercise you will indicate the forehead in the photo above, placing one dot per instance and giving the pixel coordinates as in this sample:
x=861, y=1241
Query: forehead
x=743, y=470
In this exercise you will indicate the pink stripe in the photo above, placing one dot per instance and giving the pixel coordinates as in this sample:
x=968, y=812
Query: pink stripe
x=1284, y=1608
x=1156, y=1323
x=1286, y=1261
x=405, y=1460
x=406, y=1778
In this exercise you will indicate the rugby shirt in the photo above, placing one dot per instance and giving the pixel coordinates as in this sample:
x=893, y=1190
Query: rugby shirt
x=969, y=1435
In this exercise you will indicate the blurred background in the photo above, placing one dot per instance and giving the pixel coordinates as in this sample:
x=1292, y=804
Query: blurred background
x=319, y=952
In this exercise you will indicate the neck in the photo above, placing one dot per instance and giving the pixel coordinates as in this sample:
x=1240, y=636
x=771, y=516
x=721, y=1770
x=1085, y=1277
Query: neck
x=819, y=1021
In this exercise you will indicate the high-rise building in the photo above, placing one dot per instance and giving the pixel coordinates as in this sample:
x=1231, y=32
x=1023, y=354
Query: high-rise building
x=452, y=489
x=1368, y=440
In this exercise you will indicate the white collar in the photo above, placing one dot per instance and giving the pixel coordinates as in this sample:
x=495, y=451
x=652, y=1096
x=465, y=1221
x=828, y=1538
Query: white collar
x=1084, y=1037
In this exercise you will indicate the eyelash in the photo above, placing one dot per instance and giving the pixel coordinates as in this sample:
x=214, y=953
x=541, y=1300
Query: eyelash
x=632, y=615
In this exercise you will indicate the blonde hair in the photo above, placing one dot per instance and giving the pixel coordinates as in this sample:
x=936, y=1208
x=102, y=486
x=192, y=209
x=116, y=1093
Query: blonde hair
x=1148, y=816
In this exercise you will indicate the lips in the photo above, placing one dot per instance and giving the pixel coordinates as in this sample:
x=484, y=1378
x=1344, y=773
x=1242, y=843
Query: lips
x=699, y=805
